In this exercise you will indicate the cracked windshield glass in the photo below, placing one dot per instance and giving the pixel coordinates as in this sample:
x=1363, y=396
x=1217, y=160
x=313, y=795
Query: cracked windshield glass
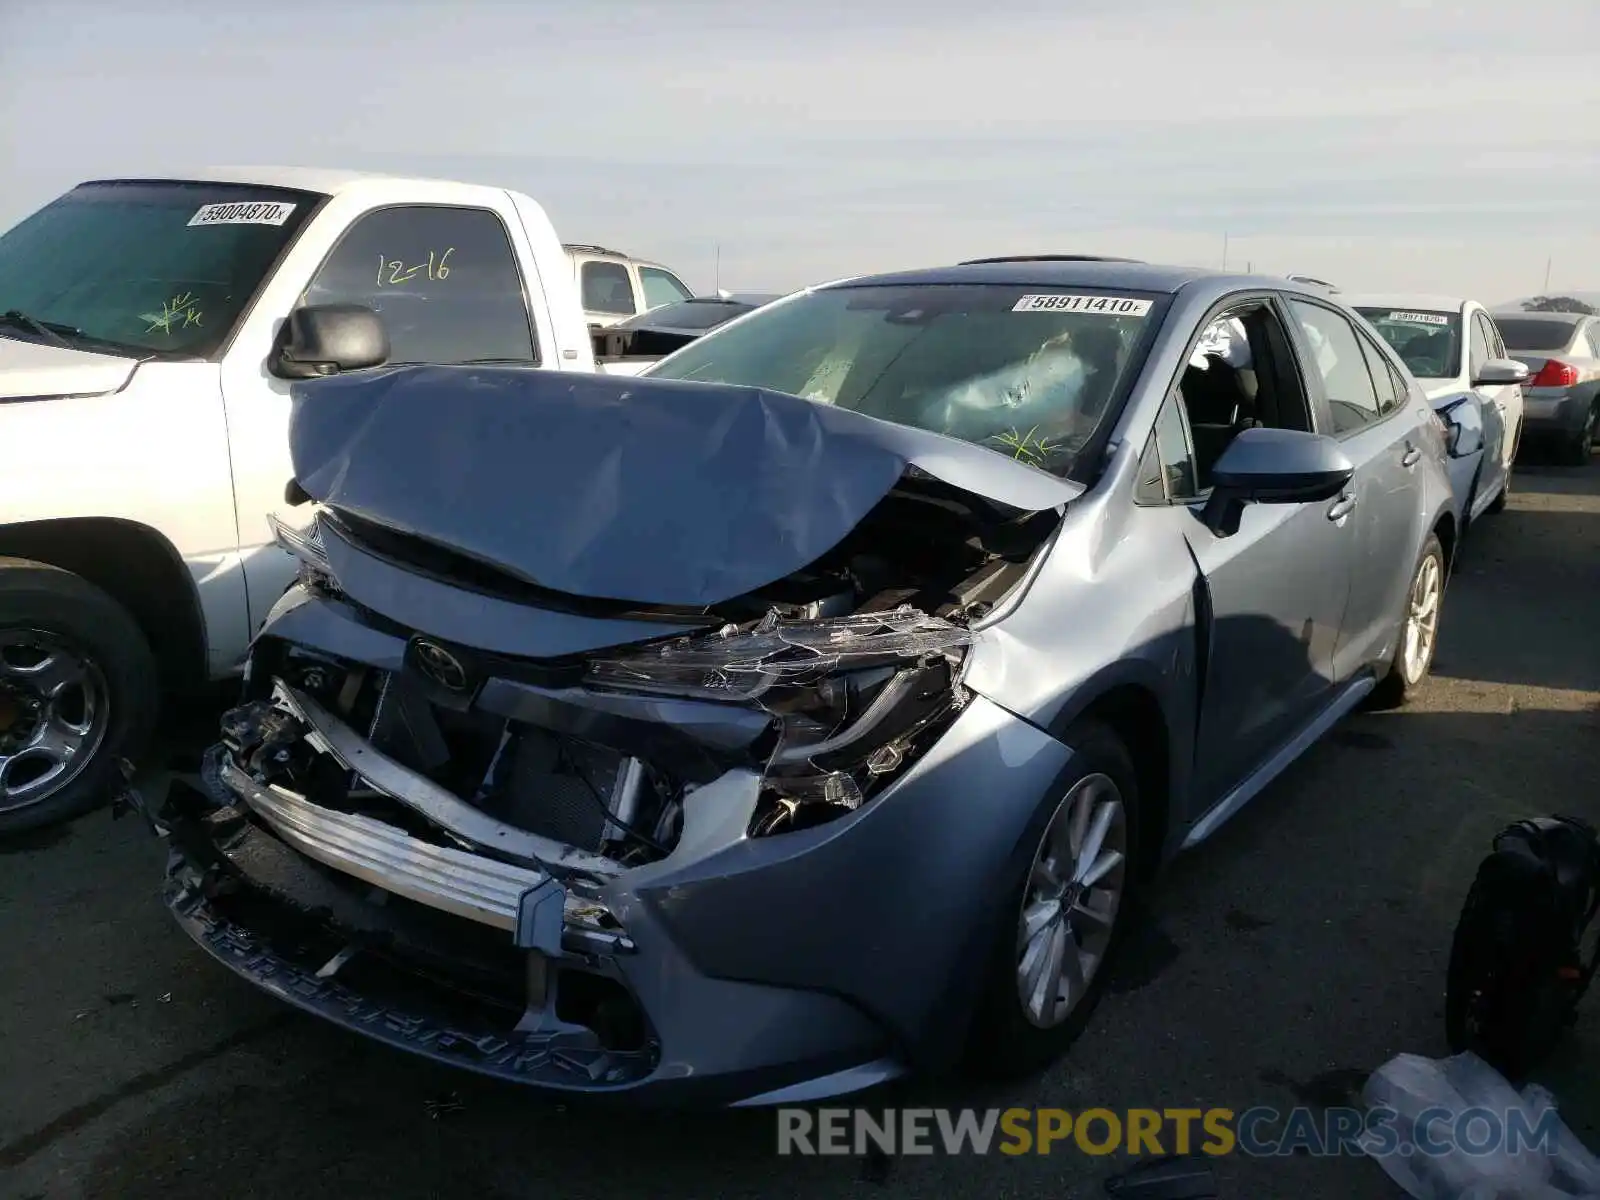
x=1029, y=373
x=157, y=270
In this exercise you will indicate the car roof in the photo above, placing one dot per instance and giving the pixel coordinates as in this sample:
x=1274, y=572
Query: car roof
x=1401, y=300
x=1062, y=271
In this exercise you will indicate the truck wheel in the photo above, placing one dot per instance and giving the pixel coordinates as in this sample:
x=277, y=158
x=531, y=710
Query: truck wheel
x=79, y=691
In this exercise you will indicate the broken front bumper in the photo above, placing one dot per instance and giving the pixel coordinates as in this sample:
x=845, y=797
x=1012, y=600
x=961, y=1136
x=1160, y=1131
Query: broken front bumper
x=735, y=970
x=470, y=961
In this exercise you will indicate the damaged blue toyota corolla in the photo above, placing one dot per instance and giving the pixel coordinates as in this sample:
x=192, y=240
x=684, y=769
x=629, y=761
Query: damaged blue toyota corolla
x=806, y=712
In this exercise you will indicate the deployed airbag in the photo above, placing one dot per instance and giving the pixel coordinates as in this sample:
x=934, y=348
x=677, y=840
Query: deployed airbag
x=651, y=491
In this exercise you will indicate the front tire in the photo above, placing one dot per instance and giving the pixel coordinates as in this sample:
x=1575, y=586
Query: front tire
x=1065, y=913
x=1419, y=631
x=78, y=692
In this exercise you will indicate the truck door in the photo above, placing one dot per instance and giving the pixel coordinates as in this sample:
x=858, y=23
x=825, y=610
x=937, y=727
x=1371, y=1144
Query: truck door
x=447, y=280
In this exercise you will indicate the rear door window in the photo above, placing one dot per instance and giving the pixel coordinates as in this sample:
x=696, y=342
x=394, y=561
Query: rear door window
x=1391, y=394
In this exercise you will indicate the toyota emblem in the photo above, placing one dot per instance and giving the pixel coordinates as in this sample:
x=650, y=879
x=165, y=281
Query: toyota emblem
x=439, y=665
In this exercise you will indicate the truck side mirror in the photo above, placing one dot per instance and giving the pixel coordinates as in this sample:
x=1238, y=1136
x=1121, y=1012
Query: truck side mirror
x=326, y=339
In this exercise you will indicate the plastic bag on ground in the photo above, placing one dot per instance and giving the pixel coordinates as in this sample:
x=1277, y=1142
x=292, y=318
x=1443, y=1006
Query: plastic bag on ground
x=1409, y=1088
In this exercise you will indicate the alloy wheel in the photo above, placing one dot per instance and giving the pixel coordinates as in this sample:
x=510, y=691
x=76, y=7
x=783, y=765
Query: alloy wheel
x=54, y=712
x=1422, y=618
x=1069, y=909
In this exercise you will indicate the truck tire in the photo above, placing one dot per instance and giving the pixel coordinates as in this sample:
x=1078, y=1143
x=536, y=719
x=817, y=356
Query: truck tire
x=79, y=692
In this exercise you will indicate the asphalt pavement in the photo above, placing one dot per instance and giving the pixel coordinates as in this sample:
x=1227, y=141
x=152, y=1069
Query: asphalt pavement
x=1281, y=962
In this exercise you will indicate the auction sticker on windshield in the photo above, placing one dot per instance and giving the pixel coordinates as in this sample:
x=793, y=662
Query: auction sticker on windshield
x=1111, y=306
x=260, y=212
x=1418, y=318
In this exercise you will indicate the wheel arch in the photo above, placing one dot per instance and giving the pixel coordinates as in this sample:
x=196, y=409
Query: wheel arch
x=137, y=567
x=1127, y=698
x=1448, y=533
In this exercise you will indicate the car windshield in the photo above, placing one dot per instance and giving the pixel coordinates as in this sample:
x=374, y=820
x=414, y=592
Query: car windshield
x=1428, y=341
x=1028, y=372
x=1532, y=334
x=148, y=269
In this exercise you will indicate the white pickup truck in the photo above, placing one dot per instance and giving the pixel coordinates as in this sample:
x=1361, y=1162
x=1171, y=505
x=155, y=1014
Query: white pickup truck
x=149, y=333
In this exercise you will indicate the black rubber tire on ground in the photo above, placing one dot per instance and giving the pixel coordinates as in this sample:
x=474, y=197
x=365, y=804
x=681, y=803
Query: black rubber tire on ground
x=1394, y=689
x=1575, y=450
x=1003, y=1043
x=36, y=596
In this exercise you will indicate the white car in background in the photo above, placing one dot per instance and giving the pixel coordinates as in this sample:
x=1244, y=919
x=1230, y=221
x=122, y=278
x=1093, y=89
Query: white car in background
x=615, y=286
x=1457, y=355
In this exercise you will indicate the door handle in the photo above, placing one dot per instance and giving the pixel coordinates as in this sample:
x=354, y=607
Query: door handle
x=1412, y=458
x=1342, y=507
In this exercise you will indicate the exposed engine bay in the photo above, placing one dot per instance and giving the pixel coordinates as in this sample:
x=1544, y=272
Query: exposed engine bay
x=834, y=679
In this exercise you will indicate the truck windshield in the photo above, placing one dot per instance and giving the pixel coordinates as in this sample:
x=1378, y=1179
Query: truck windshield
x=1027, y=372
x=1428, y=341
x=152, y=269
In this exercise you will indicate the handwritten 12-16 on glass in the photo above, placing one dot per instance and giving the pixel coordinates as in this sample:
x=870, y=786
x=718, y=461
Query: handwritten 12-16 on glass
x=393, y=271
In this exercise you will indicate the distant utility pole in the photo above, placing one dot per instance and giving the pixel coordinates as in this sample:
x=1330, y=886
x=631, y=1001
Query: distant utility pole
x=1224, y=251
x=719, y=267
x=1547, y=263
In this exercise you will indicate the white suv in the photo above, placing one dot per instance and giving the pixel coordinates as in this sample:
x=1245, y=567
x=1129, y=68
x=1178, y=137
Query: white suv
x=615, y=286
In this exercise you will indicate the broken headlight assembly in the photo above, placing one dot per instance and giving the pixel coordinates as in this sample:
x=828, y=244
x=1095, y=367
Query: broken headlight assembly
x=856, y=699
x=305, y=545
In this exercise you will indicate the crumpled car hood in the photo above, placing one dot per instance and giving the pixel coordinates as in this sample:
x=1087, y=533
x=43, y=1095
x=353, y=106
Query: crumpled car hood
x=643, y=490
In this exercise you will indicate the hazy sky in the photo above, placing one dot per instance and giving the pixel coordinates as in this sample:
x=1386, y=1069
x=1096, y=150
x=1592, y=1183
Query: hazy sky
x=1378, y=143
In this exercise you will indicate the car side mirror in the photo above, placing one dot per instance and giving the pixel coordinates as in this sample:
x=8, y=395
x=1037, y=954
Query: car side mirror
x=1273, y=466
x=1499, y=371
x=327, y=339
